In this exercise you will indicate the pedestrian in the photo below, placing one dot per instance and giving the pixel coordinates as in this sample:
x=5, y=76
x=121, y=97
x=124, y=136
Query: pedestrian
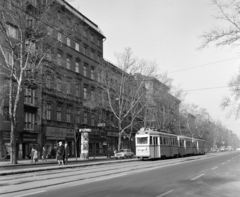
x=35, y=155
x=60, y=152
x=66, y=153
x=32, y=154
x=44, y=154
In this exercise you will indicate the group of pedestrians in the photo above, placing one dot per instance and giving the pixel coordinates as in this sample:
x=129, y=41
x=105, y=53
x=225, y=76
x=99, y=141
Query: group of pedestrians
x=62, y=153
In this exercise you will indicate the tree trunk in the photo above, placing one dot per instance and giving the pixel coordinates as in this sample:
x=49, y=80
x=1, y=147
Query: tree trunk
x=13, y=151
x=119, y=140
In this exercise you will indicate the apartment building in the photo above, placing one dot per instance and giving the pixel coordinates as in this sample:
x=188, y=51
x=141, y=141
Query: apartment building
x=53, y=109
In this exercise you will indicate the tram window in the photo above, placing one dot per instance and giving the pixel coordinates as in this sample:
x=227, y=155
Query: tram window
x=151, y=140
x=161, y=141
x=142, y=140
x=155, y=141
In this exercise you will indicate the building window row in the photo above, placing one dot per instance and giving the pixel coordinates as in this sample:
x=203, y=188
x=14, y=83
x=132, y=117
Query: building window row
x=29, y=96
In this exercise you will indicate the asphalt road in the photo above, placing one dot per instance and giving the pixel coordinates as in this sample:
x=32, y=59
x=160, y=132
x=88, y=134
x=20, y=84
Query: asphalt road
x=215, y=176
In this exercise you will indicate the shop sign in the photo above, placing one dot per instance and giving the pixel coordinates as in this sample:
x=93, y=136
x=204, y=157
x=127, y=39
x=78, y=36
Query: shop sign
x=29, y=137
x=101, y=124
x=70, y=133
x=56, y=132
x=7, y=136
x=112, y=134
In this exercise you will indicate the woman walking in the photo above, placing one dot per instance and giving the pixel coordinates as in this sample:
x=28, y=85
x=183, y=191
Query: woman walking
x=35, y=155
x=44, y=154
x=60, y=152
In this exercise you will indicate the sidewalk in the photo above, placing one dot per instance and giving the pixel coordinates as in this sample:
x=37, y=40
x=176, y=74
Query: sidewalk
x=26, y=166
x=26, y=162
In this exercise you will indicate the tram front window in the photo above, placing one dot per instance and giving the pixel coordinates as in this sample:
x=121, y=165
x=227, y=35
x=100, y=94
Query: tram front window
x=142, y=140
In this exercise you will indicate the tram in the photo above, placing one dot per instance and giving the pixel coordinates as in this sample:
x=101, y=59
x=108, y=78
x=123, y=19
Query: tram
x=151, y=144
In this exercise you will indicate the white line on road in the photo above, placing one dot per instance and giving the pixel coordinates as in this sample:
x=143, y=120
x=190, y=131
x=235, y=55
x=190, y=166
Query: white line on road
x=214, y=168
x=223, y=163
x=228, y=160
x=31, y=193
x=164, y=194
x=193, y=179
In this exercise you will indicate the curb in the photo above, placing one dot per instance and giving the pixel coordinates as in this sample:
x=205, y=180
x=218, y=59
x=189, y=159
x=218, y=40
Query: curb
x=63, y=167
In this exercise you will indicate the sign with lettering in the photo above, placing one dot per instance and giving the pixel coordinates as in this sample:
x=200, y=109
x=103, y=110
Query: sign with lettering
x=112, y=134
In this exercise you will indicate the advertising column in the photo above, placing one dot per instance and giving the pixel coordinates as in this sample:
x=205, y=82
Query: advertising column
x=84, y=143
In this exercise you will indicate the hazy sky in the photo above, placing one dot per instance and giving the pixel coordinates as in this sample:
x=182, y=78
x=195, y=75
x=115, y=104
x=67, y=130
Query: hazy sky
x=167, y=31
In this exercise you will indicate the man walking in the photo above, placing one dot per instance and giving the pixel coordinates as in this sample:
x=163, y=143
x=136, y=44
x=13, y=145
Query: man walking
x=66, y=153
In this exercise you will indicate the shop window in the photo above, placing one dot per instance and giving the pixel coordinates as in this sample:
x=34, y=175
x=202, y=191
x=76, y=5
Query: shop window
x=6, y=116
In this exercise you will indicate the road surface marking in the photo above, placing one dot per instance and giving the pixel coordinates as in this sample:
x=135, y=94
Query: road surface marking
x=214, y=168
x=164, y=194
x=193, y=179
x=229, y=160
x=223, y=163
x=31, y=193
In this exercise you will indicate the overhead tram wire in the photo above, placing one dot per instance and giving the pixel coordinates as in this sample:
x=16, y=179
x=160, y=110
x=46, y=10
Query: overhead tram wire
x=211, y=88
x=189, y=68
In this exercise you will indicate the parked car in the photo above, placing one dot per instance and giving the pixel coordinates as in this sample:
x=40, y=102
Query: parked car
x=123, y=153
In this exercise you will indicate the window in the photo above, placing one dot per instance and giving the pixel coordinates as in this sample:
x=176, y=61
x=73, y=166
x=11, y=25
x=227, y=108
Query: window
x=142, y=140
x=59, y=113
x=92, y=94
x=85, y=121
x=85, y=92
x=68, y=42
x=91, y=37
x=77, y=116
x=29, y=96
x=92, y=54
x=49, y=31
x=6, y=116
x=98, y=42
x=12, y=31
x=85, y=70
x=151, y=142
x=77, y=90
x=49, y=111
x=84, y=33
x=77, y=66
x=29, y=121
x=30, y=21
x=59, y=58
x=68, y=114
x=48, y=81
x=68, y=62
x=76, y=46
x=92, y=73
x=59, y=37
x=98, y=58
x=58, y=85
x=85, y=50
x=49, y=55
x=92, y=120
x=68, y=87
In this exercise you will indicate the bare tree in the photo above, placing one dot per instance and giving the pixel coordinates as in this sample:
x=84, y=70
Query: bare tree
x=29, y=30
x=122, y=91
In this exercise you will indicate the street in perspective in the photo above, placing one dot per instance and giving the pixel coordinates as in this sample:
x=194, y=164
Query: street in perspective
x=115, y=98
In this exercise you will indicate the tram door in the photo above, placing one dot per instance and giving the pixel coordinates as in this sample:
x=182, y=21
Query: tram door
x=156, y=146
